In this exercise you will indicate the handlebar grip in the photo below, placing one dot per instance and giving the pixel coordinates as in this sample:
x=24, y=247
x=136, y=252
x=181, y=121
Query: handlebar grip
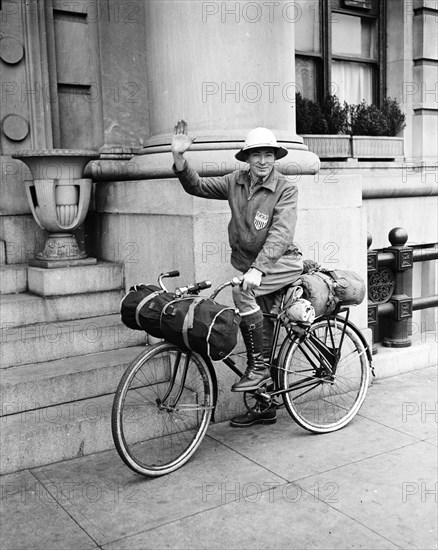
x=194, y=288
x=171, y=274
x=203, y=285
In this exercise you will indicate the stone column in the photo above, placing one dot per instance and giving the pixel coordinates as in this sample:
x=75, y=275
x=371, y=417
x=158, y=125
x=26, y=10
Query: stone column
x=224, y=67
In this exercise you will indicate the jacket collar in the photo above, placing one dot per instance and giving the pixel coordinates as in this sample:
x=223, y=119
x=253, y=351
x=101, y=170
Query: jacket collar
x=270, y=183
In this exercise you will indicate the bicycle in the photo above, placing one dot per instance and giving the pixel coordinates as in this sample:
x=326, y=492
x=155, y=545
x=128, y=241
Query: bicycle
x=321, y=372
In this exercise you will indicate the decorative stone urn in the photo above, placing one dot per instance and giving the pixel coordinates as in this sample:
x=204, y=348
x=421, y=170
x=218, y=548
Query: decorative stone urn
x=59, y=199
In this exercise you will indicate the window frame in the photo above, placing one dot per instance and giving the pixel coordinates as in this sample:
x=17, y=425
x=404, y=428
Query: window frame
x=325, y=57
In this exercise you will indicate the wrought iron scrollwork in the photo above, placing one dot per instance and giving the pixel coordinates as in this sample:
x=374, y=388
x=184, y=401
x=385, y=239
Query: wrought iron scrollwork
x=381, y=285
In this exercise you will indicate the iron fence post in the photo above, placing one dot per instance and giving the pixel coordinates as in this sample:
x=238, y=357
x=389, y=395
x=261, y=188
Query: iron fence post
x=399, y=325
x=373, y=318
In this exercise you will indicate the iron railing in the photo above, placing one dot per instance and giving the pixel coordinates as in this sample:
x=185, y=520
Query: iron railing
x=390, y=301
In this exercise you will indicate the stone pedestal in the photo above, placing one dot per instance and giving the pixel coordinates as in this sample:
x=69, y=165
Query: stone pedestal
x=75, y=280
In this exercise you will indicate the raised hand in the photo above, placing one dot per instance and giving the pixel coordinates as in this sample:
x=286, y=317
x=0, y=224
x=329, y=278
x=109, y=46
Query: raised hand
x=181, y=142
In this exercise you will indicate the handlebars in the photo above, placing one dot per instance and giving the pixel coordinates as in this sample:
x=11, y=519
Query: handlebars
x=166, y=275
x=235, y=281
x=195, y=287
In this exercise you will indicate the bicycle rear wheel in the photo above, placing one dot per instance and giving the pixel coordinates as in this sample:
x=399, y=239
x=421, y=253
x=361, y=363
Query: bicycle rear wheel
x=327, y=373
x=162, y=408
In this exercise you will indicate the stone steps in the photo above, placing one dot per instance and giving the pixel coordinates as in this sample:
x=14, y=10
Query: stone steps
x=35, y=386
x=62, y=410
x=13, y=278
x=37, y=343
x=26, y=308
x=63, y=352
x=61, y=432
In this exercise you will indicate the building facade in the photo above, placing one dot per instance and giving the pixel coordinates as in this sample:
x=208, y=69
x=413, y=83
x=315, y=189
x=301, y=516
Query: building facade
x=114, y=76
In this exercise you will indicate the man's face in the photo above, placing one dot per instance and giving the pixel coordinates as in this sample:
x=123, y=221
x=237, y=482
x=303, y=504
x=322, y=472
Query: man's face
x=261, y=161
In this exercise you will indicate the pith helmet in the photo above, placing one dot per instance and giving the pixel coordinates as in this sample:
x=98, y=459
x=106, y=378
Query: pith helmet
x=261, y=137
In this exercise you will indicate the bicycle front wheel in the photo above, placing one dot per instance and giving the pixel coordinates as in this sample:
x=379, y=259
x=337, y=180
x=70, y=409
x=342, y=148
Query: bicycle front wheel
x=162, y=409
x=327, y=373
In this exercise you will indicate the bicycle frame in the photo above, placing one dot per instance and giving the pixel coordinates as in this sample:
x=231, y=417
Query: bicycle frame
x=320, y=351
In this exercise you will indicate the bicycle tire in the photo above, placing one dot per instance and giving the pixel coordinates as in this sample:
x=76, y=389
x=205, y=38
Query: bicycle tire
x=153, y=435
x=323, y=403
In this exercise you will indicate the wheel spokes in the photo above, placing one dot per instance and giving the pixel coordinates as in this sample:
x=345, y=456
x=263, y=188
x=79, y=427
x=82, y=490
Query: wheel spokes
x=163, y=410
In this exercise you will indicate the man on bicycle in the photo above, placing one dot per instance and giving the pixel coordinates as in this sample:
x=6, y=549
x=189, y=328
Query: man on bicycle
x=263, y=217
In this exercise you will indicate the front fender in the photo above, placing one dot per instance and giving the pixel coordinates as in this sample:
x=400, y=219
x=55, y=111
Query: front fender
x=212, y=371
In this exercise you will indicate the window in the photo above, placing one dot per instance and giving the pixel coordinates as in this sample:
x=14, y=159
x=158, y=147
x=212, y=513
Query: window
x=308, y=48
x=339, y=49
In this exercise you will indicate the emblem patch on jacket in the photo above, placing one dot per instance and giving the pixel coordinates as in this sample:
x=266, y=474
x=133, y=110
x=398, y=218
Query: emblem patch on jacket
x=260, y=220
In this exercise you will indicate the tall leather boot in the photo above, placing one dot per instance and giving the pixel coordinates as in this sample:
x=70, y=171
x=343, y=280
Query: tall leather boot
x=268, y=336
x=266, y=302
x=257, y=373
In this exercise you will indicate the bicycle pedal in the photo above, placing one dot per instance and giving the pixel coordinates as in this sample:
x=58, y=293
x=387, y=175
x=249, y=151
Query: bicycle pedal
x=260, y=393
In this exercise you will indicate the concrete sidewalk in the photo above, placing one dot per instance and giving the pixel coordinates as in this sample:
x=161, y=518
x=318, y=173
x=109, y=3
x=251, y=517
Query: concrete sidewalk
x=371, y=485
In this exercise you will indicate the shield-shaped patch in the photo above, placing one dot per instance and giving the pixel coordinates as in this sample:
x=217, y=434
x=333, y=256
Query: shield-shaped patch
x=260, y=220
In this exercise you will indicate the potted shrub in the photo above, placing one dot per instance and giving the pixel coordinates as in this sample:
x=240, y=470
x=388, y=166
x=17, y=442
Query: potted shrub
x=362, y=131
x=373, y=130
x=322, y=127
x=395, y=118
x=336, y=115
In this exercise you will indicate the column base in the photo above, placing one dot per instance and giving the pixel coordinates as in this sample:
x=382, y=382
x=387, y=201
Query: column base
x=217, y=159
x=208, y=159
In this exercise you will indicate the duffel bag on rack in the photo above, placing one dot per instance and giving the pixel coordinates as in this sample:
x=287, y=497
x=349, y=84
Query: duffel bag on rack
x=141, y=308
x=201, y=325
x=324, y=289
x=318, y=290
x=349, y=287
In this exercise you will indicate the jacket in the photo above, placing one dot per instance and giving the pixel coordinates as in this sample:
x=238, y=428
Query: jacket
x=262, y=227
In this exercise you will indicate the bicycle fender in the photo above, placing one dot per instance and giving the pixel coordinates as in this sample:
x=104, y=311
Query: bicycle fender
x=362, y=339
x=210, y=367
